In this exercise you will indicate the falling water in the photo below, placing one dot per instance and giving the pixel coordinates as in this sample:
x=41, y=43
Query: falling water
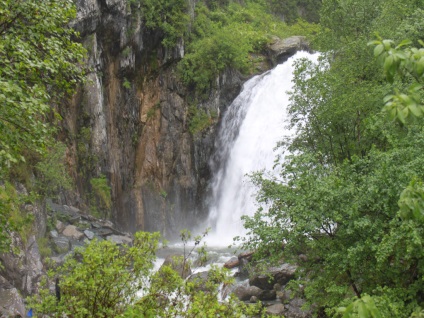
x=250, y=130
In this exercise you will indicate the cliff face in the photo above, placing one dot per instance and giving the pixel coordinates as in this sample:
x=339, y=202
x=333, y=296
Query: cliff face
x=130, y=122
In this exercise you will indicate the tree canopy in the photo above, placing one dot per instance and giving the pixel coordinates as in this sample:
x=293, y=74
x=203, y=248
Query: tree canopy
x=39, y=65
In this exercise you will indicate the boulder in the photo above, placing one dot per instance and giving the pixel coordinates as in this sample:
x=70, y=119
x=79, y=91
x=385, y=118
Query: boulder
x=276, y=310
x=120, y=239
x=245, y=293
x=281, y=49
x=267, y=295
x=283, y=274
x=89, y=234
x=61, y=244
x=232, y=262
x=72, y=232
x=200, y=280
x=60, y=226
x=293, y=309
x=262, y=281
x=276, y=275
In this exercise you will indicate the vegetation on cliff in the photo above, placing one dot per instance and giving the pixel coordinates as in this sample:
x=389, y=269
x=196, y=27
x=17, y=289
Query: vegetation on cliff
x=350, y=195
x=226, y=36
x=39, y=67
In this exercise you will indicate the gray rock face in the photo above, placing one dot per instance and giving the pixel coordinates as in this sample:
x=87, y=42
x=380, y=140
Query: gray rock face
x=23, y=269
x=11, y=302
x=139, y=135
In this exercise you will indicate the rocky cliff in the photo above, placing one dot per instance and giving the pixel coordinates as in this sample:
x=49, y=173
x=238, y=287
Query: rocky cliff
x=130, y=122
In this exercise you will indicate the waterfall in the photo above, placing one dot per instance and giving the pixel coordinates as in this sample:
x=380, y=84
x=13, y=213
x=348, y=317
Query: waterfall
x=248, y=135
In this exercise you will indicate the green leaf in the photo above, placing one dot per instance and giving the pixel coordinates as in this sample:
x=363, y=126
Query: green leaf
x=378, y=50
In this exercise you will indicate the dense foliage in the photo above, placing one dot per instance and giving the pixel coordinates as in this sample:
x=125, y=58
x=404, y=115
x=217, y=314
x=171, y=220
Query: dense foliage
x=226, y=36
x=350, y=195
x=169, y=16
x=39, y=66
x=107, y=280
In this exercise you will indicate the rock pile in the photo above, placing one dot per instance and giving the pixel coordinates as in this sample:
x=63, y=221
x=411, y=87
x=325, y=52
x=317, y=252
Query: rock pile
x=73, y=229
x=270, y=288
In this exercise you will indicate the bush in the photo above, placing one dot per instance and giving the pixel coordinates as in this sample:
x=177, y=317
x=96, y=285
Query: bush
x=106, y=280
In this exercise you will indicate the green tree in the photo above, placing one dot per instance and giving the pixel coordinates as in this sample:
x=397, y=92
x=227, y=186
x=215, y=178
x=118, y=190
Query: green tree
x=343, y=198
x=39, y=65
x=107, y=280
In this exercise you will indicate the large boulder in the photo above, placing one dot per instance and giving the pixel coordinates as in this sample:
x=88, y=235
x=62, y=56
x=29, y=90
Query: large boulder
x=281, y=49
x=276, y=310
x=245, y=293
x=281, y=275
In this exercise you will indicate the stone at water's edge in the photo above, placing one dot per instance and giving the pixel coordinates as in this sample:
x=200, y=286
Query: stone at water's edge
x=233, y=262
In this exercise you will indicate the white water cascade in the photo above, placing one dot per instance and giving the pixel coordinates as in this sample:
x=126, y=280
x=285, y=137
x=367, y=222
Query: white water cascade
x=249, y=132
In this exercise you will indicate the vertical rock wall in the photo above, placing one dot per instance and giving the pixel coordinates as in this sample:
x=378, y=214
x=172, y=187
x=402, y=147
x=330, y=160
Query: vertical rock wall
x=130, y=120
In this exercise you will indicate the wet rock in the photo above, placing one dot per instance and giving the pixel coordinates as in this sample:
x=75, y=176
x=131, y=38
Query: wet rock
x=60, y=226
x=89, y=234
x=231, y=263
x=262, y=281
x=200, y=280
x=72, y=232
x=294, y=309
x=276, y=309
x=61, y=244
x=120, y=239
x=281, y=49
x=103, y=231
x=281, y=275
x=267, y=295
x=24, y=268
x=245, y=293
x=253, y=299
